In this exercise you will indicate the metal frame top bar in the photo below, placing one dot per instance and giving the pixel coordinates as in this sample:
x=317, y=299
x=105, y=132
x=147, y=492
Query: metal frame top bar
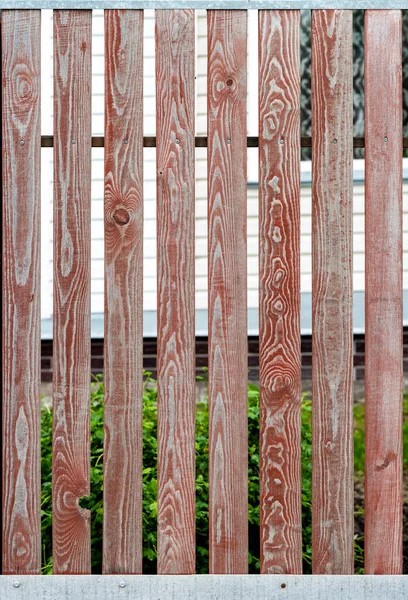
x=206, y=4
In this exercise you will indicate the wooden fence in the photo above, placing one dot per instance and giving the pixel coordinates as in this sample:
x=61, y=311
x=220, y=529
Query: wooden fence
x=279, y=303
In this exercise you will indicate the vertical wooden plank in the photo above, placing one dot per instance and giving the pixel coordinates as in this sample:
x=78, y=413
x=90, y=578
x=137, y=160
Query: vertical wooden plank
x=227, y=296
x=2, y=379
x=175, y=290
x=72, y=237
x=383, y=292
x=123, y=448
x=332, y=285
x=279, y=291
x=21, y=147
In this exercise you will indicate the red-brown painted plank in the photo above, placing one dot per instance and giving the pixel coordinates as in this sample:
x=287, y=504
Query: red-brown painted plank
x=123, y=345
x=279, y=291
x=383, y=292
x=175, y=290
x=21, y=148
x=227, y=291
x=332, y=289
x=72, y=244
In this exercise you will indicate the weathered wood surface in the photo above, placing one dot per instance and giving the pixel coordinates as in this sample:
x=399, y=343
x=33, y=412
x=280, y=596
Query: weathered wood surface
x=123, y=345
x=383, y=289
x=72, y=242
x=279, y=291
x=227, y=285
x=21, y=147
x=175, y=56
x=332, y=288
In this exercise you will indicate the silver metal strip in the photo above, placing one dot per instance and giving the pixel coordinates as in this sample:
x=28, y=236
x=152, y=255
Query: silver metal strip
x=207, y=4
x=204, y=587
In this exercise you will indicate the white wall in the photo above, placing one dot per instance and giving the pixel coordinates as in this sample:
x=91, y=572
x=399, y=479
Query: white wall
x=201, y=186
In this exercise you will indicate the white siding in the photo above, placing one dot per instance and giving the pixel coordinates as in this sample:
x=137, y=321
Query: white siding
x=201, y=178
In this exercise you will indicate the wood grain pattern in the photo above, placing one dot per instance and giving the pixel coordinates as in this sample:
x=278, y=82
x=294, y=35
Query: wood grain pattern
x=227, y=285
x=383, y=289
x=123, y=345
x=332, y=283
x=279, y=291
x=72, y=241
x=21, y=147
x=175, y=41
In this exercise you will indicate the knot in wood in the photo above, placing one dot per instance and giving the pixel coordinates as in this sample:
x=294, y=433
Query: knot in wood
x=121, y=216
x=229, y=82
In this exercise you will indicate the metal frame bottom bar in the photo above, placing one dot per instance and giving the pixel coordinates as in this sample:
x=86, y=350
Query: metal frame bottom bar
x=204, y=587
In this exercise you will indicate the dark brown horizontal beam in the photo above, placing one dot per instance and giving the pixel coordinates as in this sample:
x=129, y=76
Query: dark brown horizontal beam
x=47, y=141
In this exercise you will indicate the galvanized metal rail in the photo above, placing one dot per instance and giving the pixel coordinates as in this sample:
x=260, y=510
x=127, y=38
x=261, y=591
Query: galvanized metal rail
x=207, y=4
x=204, y=587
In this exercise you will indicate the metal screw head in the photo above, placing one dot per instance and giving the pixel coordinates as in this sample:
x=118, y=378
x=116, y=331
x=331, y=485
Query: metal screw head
x=334, y=141
x=385, y=139
x=283, y=585
x=177, y=141
x=228, y=141
x=16, y=584
x=281, y=142
x=125, y=141
x=74, y=141
x=22, y=142
x=122, y=584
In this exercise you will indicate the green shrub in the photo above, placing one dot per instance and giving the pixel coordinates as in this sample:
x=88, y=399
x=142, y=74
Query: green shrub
x=95, y=502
